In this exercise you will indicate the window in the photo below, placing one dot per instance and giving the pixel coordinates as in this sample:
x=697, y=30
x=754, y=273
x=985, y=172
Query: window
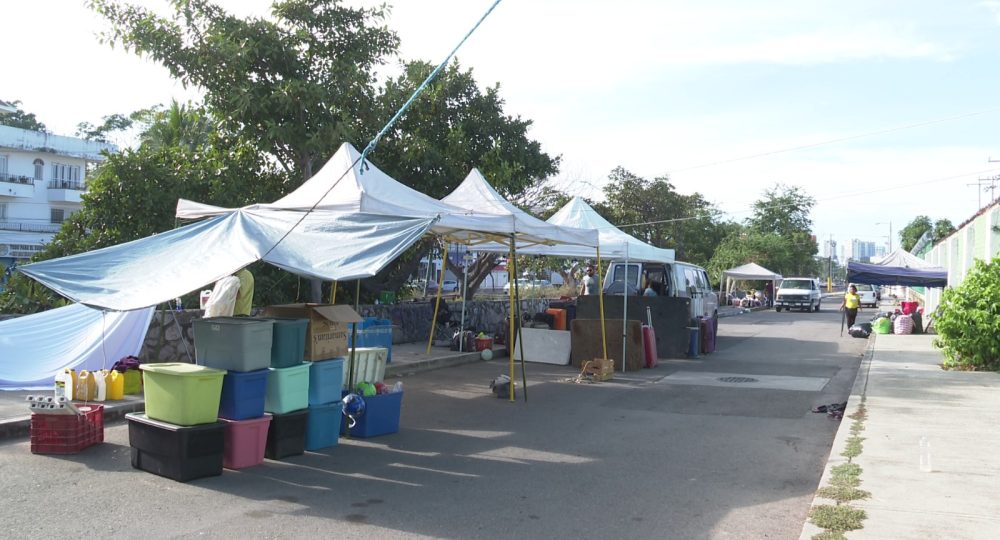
x=56, y=215
x=3, y=212
x=65, y=173
x=633, y=274
x=3, y=164
x=39, y=168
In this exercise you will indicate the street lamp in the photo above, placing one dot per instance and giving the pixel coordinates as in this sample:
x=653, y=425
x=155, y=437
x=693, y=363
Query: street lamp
x=890, y=232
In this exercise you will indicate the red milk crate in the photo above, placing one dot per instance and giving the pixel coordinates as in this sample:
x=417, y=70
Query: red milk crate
x=67, y=433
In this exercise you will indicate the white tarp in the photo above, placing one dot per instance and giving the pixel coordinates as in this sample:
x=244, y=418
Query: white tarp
x=346, y=185
x=35, y=347
x=614, y=243
x=158, y=268
x=475, y=193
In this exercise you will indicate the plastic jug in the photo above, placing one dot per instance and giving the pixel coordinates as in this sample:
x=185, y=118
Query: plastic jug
x=116, y=385
x=69, y=379
x=85, y=388
x=101, y=387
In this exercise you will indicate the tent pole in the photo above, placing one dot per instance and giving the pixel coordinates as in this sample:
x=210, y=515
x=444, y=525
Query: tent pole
x=354, y=335
x=625, y=311
x=520, y=342
x=600, y=300
x=333, y=293
x=465, y=285
x=510, y=332
x=437, y=303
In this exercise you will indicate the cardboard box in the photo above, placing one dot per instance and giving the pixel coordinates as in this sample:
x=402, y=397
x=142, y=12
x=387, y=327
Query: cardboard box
x=326, y=336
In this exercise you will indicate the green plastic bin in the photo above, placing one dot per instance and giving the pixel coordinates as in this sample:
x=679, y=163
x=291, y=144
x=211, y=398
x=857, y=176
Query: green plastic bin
x=182, y=394
x=287, y=389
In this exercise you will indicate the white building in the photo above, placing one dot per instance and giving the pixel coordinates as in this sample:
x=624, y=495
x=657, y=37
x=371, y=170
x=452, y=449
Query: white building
x=41, y=179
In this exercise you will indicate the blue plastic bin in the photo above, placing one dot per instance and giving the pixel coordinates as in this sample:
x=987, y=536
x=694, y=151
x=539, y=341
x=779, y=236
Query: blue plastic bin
x=373, y=332
x=381, y=416
x=694, y=341
x=326, y=381
x=243, y=394
x=323, y=426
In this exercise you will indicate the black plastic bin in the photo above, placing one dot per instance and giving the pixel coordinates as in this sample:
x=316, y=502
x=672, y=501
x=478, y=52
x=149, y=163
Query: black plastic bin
x=181, y=453
x=287, y=435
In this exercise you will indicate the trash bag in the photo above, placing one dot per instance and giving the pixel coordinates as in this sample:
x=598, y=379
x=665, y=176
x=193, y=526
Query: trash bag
x=903, y=325
x=859, y=331
x=918, y=322
x=882, y=325
x=501, y=387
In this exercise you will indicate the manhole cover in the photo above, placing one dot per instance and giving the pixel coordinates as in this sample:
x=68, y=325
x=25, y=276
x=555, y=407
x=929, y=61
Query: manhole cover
x=737, y=379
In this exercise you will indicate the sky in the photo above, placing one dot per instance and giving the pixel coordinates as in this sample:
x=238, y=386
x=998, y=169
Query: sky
x=881, y=111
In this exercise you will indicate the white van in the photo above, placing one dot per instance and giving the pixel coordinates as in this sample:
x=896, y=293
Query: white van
x=677, y=279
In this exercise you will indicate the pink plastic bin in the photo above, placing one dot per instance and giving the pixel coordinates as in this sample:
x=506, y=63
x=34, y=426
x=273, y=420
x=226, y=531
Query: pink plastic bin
x=246, y=441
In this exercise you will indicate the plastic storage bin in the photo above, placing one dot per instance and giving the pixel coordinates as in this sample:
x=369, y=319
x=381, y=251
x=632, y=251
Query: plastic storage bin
x=182, y=394
x=708, y=335
x=67, y=433
x=369, y=366
x=245, y=442
x=286, y=436
x=381, y=416
x=288, y=341
x=326, y=380
x=243, y=394
x=373, y=332
x=233, y=343
x=323, y=426
x=177, y=452
x=559, y=318
x=287, y=389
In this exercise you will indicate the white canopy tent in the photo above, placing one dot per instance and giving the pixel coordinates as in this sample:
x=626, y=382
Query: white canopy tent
x=345, y=185
x=749, y=272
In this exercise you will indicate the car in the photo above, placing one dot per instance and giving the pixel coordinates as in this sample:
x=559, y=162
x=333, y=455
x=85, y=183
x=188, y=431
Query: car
x=525, y=284
x=867, y=293
x=450, y=285
x=798, y=292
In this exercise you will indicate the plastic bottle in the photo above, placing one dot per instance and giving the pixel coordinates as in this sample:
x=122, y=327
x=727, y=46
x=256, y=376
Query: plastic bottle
x=60, y=385
x=925, y=455
x=101, y=388
x=398, y=387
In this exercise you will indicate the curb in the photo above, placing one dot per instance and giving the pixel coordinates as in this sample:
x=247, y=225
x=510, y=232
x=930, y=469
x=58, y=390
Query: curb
x=412, y=368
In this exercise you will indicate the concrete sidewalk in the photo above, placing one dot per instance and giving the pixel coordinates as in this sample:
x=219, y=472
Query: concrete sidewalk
x=909, y=396
x=407, y=359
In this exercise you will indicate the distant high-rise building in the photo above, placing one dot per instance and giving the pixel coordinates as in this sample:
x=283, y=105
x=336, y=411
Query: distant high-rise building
x=862, y=250
x=830, y=248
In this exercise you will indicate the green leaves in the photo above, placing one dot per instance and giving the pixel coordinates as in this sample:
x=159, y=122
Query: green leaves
x=968, y=319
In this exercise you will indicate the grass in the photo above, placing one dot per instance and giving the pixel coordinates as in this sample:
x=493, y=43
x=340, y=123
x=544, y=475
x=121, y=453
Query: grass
x=853, y=448
x=843, y=494
x=837, y=518
x=829, y=535
x=848, y=474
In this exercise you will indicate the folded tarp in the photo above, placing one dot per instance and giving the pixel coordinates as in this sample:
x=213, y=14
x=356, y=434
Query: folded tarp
x=35, y=347
x=158, y=268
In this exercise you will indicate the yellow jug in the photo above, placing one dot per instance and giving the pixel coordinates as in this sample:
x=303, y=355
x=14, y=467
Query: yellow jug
x=116, y=385
x=86, y=387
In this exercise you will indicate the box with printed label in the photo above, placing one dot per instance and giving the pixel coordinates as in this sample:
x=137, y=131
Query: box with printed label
x=326, y=336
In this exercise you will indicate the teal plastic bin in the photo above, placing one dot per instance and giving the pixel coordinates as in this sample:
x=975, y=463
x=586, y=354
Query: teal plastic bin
x=323, y=426
x=287, y=389
x=288, y=341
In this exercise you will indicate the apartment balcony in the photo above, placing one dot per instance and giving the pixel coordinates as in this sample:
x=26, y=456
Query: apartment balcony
x=16, y=185
x=30, y=227
x=65, y=191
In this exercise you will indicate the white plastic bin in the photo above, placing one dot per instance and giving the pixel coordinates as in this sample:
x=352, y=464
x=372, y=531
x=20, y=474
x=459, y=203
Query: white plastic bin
x=369, y=366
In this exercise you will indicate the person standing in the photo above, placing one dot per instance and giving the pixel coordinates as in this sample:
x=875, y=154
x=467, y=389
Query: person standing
x=589, y=282
x=244, y=298
x=852, y=305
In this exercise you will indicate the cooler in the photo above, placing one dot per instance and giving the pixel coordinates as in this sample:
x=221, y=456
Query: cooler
x=243, y=394
x=369, y=365
x=176, y=452
x=233, y=343
x=245, y=442
x=182, y=394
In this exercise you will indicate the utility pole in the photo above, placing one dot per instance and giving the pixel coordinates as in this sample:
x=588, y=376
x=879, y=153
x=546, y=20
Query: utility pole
x=829, y=271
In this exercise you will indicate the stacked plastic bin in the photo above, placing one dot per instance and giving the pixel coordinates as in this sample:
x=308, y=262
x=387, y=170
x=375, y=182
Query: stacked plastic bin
x=287, y=393
x=326, y=379
x=180, y=435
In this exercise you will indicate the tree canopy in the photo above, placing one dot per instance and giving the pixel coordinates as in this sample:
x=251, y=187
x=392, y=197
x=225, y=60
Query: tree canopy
x=21, y=119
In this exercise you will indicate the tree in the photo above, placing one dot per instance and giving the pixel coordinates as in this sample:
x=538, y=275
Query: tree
x=785, y=211
x=745, y=245
x=911, y=233
x=21, y=119
x=111, y=124
x=943, y=228
x=968, y=319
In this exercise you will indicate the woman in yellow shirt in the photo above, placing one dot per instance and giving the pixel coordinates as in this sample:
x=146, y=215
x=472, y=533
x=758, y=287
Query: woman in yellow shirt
x=852, y=303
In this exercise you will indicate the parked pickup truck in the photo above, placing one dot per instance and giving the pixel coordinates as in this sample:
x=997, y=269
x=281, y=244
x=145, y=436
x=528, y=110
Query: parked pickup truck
x=799, y=293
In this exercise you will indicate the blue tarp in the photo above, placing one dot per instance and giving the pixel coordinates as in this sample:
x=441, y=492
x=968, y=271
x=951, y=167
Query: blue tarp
x=893, y=271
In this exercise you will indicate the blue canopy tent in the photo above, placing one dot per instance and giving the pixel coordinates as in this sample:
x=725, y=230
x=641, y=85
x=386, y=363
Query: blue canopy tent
x=899, y=268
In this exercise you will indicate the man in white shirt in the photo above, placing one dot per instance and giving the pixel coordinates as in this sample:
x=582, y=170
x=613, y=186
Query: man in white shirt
x=589, y=282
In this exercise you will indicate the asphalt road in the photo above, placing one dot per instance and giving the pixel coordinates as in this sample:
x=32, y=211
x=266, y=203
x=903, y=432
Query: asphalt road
x=670, y=452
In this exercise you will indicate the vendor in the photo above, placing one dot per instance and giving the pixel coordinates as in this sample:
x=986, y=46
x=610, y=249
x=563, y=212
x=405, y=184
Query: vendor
x=244, y=297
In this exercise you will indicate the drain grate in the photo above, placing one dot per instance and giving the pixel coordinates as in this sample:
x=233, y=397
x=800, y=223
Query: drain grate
x=738, y=379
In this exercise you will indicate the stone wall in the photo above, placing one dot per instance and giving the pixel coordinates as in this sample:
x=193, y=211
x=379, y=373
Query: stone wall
x=411, y=323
